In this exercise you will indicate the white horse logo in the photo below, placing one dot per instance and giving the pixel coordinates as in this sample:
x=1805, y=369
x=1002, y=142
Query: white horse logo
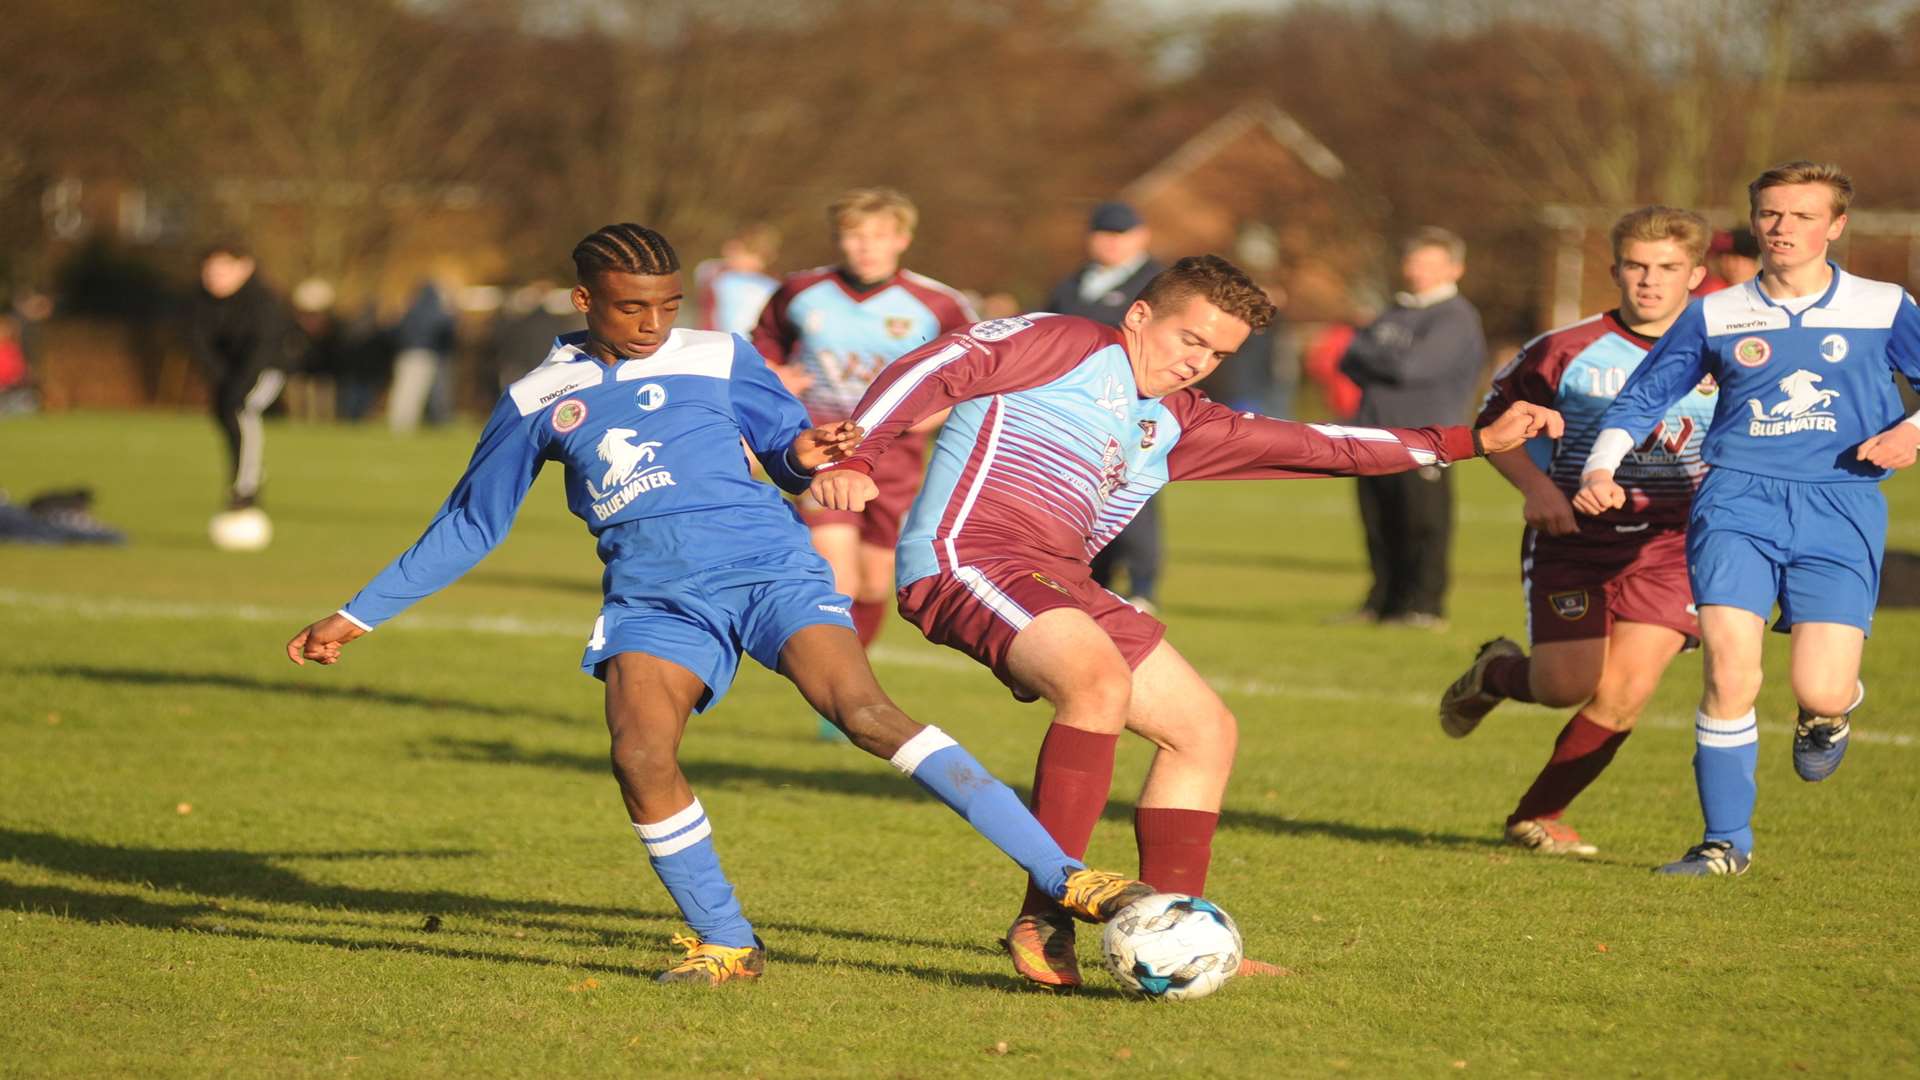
x=1802, y=397
x=621, y=456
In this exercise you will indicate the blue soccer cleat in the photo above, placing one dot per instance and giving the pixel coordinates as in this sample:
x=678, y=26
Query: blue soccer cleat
x=1709, y=858
x=1819, y=742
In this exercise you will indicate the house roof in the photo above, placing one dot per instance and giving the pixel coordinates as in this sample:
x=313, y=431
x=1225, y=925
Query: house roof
x=1215, y=137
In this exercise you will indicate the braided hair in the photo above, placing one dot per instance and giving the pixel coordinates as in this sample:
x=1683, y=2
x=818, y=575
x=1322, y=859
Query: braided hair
x=624, y=249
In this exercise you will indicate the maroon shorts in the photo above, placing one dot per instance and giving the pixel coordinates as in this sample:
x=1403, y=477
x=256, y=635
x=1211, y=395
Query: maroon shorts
x=980, y=608
x=1578, y=587
x=898, y=474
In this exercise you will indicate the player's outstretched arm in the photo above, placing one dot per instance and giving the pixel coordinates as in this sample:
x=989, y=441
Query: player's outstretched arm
x=1523, y=420
x=322, y=640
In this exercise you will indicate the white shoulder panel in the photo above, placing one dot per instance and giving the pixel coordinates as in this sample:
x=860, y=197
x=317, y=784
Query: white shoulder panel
x=687, y=352
x=1858, y=304
x=1740, y=310
x=554, y=380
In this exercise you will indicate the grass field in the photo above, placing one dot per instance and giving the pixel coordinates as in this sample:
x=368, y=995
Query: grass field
x=214, y=863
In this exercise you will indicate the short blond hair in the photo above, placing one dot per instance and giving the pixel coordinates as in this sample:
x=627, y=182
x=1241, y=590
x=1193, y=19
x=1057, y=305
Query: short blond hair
x=1804, y=172
x=859, y=204
x=1433, y=236
x=1656, y=223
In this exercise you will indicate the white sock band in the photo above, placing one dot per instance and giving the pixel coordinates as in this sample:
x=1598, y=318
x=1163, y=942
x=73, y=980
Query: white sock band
x=1739, y=731
x=930, y=741
x=677, y=833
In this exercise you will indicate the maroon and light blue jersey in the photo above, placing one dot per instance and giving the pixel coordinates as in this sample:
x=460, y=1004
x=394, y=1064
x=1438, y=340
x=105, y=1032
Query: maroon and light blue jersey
x=843, y=335
x=1579, y=370
x=1051, y=449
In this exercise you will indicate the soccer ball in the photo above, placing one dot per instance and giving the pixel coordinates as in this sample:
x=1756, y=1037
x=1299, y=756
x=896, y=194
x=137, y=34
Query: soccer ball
x=241, y=530
x=1172, y=947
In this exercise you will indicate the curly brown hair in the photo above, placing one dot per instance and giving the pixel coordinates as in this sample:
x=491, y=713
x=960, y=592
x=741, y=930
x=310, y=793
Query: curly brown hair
x=1214, y=280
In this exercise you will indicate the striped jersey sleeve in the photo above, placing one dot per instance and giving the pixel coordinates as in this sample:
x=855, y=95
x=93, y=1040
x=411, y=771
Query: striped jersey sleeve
x=1219, y=443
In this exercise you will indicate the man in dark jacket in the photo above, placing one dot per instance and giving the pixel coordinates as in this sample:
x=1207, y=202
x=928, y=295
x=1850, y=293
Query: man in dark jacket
x=241, y=333
x=1117, y=268
x=1418, y=363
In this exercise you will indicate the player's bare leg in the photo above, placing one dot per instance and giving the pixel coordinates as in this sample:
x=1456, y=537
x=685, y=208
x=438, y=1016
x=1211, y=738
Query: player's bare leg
x=1825, y=669
x=648, y=702
x=829, y=668
x=1633, y=658
x=839, y=544
x=1066, y=658
x=1730, y=643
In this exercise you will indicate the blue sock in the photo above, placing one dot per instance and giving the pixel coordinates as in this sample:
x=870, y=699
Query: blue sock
x=681, y=851
x=1724, y=760
x=944, y=768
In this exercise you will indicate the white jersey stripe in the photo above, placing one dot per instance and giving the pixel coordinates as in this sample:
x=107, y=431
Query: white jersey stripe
x=877, y=412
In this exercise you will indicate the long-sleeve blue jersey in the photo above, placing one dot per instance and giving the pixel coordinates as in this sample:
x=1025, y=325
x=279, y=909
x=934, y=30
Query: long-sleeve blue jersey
x=651, y=449
x=1798, y=393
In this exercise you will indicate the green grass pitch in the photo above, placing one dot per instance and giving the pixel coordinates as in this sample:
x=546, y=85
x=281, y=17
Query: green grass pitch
x=213, y=863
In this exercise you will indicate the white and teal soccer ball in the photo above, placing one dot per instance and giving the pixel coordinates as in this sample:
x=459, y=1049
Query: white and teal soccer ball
x=1172, y=947
x=241, y=530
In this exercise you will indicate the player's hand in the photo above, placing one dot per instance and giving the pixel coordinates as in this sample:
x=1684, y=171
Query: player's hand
x=843, y=489
x=1894, y=448
x=1548, y=510
x=793, y=377
x=1599, y=494
x=815, y=447
x=1522, y=421
x=322, y=640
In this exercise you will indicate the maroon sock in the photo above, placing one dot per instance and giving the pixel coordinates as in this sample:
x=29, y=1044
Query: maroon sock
x=1070, y=783
x=1581, y=752
x=1511, y=677
x=1175, y=847
x=868, y=617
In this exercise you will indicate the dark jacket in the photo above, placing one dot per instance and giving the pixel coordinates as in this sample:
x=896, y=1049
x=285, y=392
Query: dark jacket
x=1065, y=297
x=239, y=336
x=1417, y=366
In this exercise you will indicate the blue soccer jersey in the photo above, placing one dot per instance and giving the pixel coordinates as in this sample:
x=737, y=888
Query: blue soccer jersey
x=651, y=449
x=1799, y=391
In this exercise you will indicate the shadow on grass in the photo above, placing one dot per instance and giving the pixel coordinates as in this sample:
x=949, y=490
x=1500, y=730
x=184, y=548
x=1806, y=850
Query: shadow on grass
x=246, y=876
x=881, y=782
x=216, y=876
x=222, y=680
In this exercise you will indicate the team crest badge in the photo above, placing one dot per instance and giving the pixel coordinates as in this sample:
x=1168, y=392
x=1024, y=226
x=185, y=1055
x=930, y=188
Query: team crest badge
x=998, y=329
x=1569, y=605
x=1707, y=387
x=899, y=326
x=569, y=414
x=1148, y=430
x=1833, y=348
x=1752, y=352
x=1050, y=583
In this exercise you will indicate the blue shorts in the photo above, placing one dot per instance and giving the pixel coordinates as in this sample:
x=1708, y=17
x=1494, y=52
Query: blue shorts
x=704, y=620
x=1815, y=548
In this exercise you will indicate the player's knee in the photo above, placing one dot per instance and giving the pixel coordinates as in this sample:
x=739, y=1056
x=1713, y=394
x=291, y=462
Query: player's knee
x=1097, y=689
x=1732, y=682
x=1827, y=699
x=879, y=728
x=642, y=764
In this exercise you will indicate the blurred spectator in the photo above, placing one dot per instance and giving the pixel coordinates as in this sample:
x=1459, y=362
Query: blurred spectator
x=1321, y=363
x=999, y=305
x=16, y=385
x=1416, y=365
x=312, y=391
x=533, y=316
x=1102, y=289
x=240, y=332
x=732, y=289
x=1733, y=258
x=422, y=375
x=363, y=361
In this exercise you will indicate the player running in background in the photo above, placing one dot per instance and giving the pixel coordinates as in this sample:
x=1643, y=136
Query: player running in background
x=730, y=291
x=828, y=331
x=702, y=563
x=1808, y=422
x=1060, y=428
x=1607, y=601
